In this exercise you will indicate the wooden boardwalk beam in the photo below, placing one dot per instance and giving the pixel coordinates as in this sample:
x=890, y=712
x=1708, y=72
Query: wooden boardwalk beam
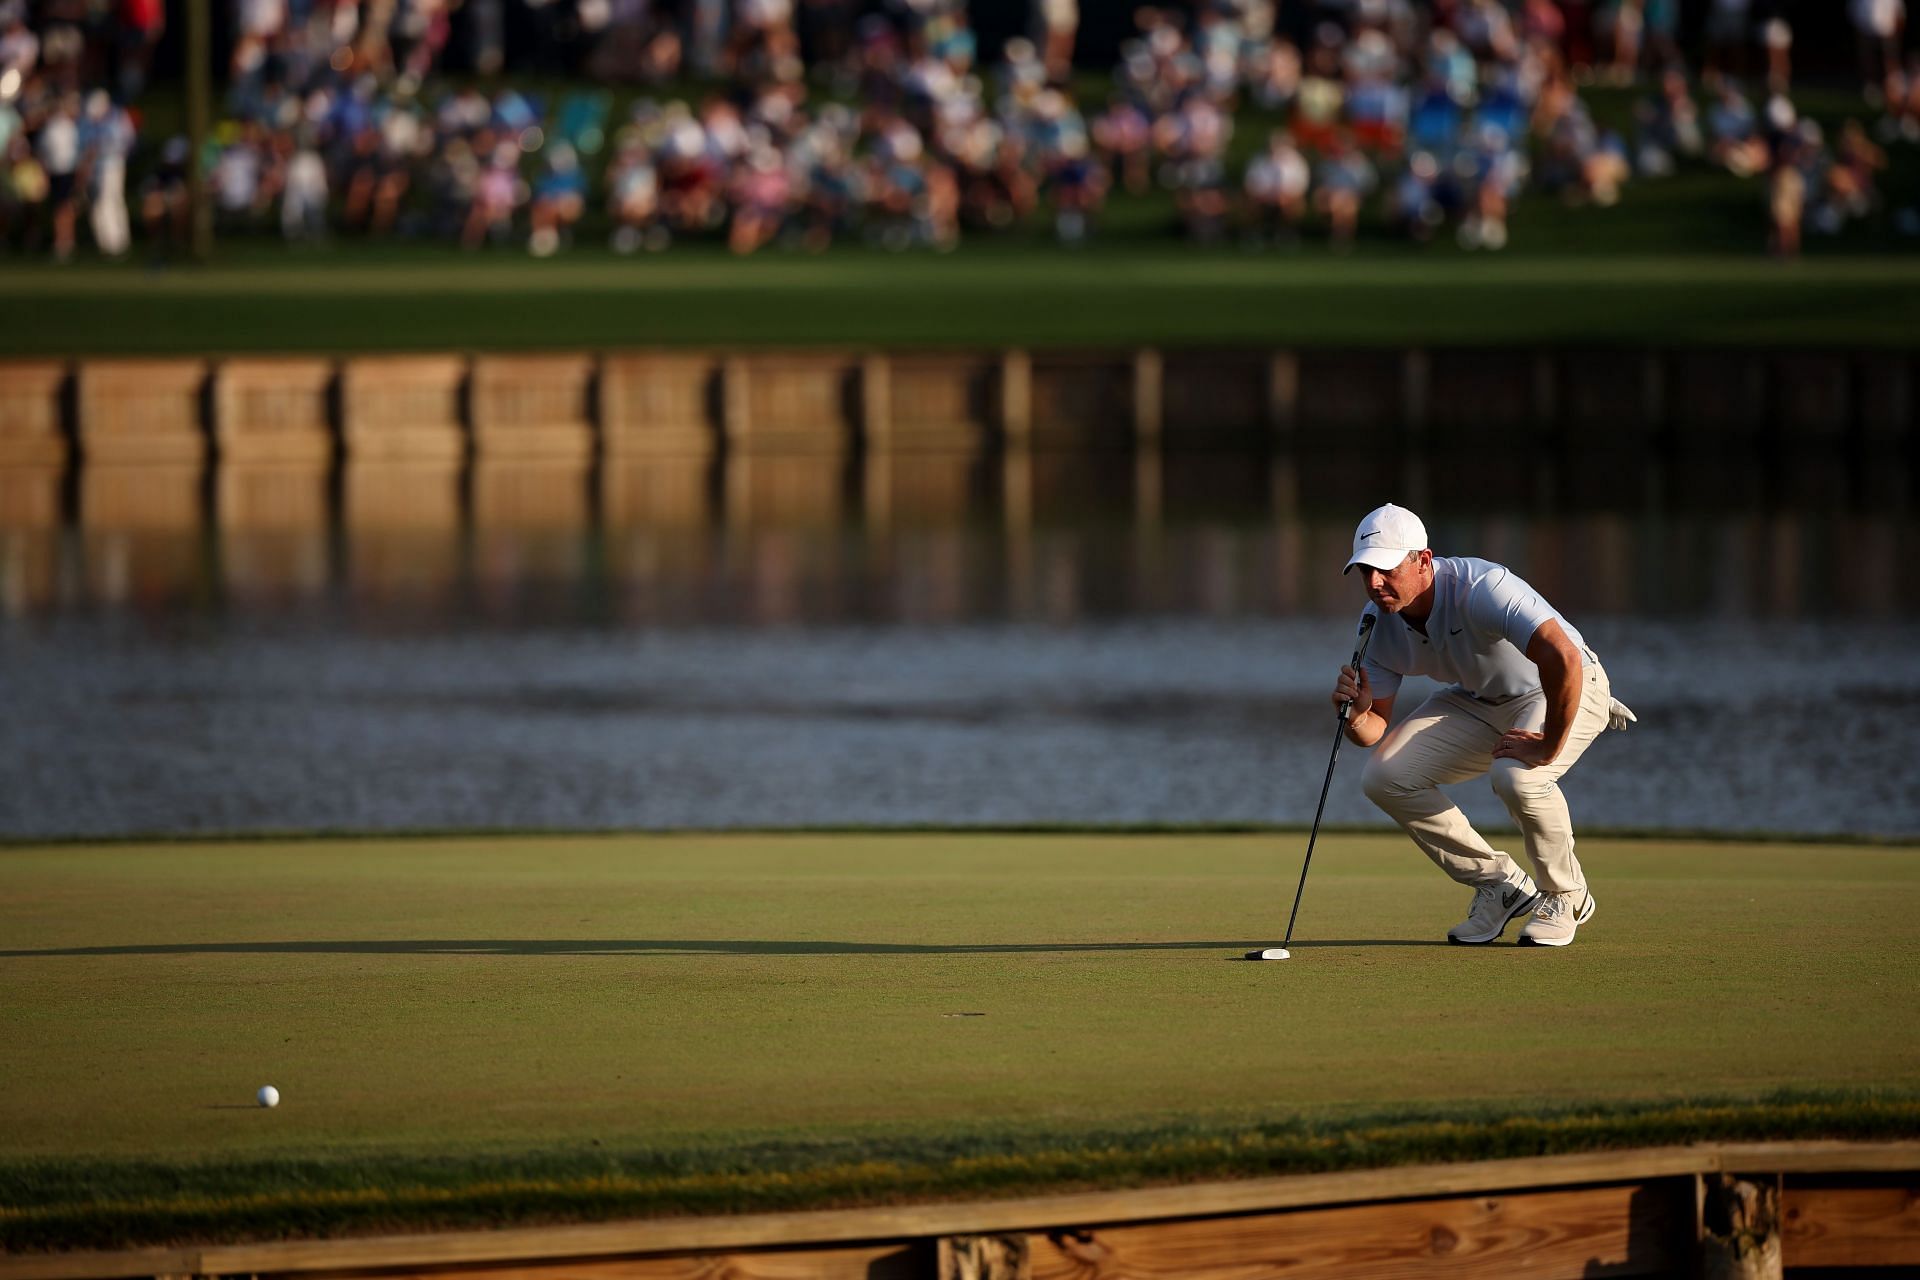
x=1489, y=1209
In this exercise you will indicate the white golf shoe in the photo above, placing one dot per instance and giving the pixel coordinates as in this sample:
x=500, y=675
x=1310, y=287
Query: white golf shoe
x=1493, y=906
x=1556, y=918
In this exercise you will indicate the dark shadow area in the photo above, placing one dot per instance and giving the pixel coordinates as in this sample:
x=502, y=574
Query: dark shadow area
x=638, y=947
x=1659, y=1233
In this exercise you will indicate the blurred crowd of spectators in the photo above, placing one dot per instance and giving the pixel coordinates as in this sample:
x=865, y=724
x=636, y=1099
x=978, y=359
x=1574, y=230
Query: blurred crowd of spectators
x=878, y=119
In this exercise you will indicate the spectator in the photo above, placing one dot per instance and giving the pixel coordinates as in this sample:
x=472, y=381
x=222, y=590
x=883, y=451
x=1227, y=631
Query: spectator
x=107, y=138
x=1078, y=185
x=1417, y=206
x=1669, y=127
x=1486, y=29
x=23, y=194
x=1662, y=33
x=325, y=102
x=1543, y=28
x=19, y=50
x=1787, y=196
x=1322, y=99
x=1727, y=27
x=63, y=43
x=1903, y=111
x=831, y=186
x=163, y=201
x=1123, y=136
x=759, y=196
x=58, y=151
x=1733, y=133
x=1491, y=171
x=1879, y=25
x=633, y=197
x=1277, y=183
x=1625, y=21
x=1273, y=73
x=303, y=197
x=1776, y=34
x=1853, y=178
x=497, y=196
x=1344, y=180
x=236, y=180
x=1059, y=23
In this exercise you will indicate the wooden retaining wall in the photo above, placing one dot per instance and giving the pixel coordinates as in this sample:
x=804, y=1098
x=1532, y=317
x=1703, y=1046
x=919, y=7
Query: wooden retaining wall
x=274, y=411
x=1492, y=416
x=1628, y=1213
x=33, y=397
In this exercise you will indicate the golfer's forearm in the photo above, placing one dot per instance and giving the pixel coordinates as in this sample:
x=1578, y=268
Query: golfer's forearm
x=1559, y=726
x=1559, y=665
x=1366, y=728
x=1561, y=683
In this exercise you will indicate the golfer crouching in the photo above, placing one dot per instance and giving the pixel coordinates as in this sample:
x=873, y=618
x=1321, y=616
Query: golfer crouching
x=1527, y=697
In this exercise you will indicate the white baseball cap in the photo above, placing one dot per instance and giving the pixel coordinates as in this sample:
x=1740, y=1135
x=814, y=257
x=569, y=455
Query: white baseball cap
x=1383, y=539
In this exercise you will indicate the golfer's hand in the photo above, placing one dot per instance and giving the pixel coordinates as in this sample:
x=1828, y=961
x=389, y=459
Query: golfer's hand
x=1352, y=687
x=1524, y=745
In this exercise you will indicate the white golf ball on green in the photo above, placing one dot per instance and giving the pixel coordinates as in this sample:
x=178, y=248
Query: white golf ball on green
x=268, y=1096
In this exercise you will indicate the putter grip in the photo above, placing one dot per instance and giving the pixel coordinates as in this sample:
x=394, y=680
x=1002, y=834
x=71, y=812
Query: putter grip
x=1359, y=654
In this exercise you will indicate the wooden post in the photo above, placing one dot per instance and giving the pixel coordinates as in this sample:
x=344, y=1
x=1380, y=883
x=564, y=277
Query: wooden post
x=1016, y=399
x=876, y=404
x=735, y=419
x=1283, y=396
x=1149, y=398
x=1739, y=1229
x=1003, y=1257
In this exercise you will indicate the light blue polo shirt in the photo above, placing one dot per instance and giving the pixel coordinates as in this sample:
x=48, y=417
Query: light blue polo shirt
x=1483, y=616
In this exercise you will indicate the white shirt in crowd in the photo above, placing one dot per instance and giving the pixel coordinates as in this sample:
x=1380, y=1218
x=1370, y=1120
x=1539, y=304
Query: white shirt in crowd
x=1879, y=17
x=60, y=145
x=1275, y=175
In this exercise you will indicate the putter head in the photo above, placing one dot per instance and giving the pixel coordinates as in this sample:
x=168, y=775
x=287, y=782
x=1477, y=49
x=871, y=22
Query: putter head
x=1270, y=953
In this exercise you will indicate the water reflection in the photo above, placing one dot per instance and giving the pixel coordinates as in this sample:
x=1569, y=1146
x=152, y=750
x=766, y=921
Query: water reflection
x=933, y=537
x=275, y=524
x=988, y=636
x=402, y=532
x=143, y=535
x=30, y=521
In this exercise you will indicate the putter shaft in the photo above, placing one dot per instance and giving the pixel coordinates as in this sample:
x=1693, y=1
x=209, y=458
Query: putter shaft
x=1339, y=732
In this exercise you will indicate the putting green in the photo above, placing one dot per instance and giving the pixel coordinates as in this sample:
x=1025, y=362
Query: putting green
x=453, y=994
x=529, y=1028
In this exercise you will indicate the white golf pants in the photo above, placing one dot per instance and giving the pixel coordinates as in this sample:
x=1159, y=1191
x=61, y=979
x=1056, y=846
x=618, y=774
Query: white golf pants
x=1450, y=739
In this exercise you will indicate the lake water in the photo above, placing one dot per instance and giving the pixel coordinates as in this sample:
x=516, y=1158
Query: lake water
x=919, y=640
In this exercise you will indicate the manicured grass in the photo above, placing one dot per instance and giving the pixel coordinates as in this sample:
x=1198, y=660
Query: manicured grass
x=374, y=299
x=540, y=1027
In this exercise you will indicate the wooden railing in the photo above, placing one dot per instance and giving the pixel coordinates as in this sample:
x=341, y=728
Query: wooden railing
x=1626, y=1213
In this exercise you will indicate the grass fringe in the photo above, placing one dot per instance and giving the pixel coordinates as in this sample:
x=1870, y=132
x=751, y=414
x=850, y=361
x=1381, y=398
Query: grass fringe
x=66, y=1205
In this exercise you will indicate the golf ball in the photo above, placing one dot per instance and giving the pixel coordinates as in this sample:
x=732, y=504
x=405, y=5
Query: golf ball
x=268, y=1096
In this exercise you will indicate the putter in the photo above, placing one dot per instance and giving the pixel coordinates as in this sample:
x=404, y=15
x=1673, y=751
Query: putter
x=1339, y=731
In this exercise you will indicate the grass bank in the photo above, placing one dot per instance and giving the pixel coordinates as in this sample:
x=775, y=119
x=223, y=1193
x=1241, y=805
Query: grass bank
x=538, y=1028
x=107, y=1205
x=373, y=298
